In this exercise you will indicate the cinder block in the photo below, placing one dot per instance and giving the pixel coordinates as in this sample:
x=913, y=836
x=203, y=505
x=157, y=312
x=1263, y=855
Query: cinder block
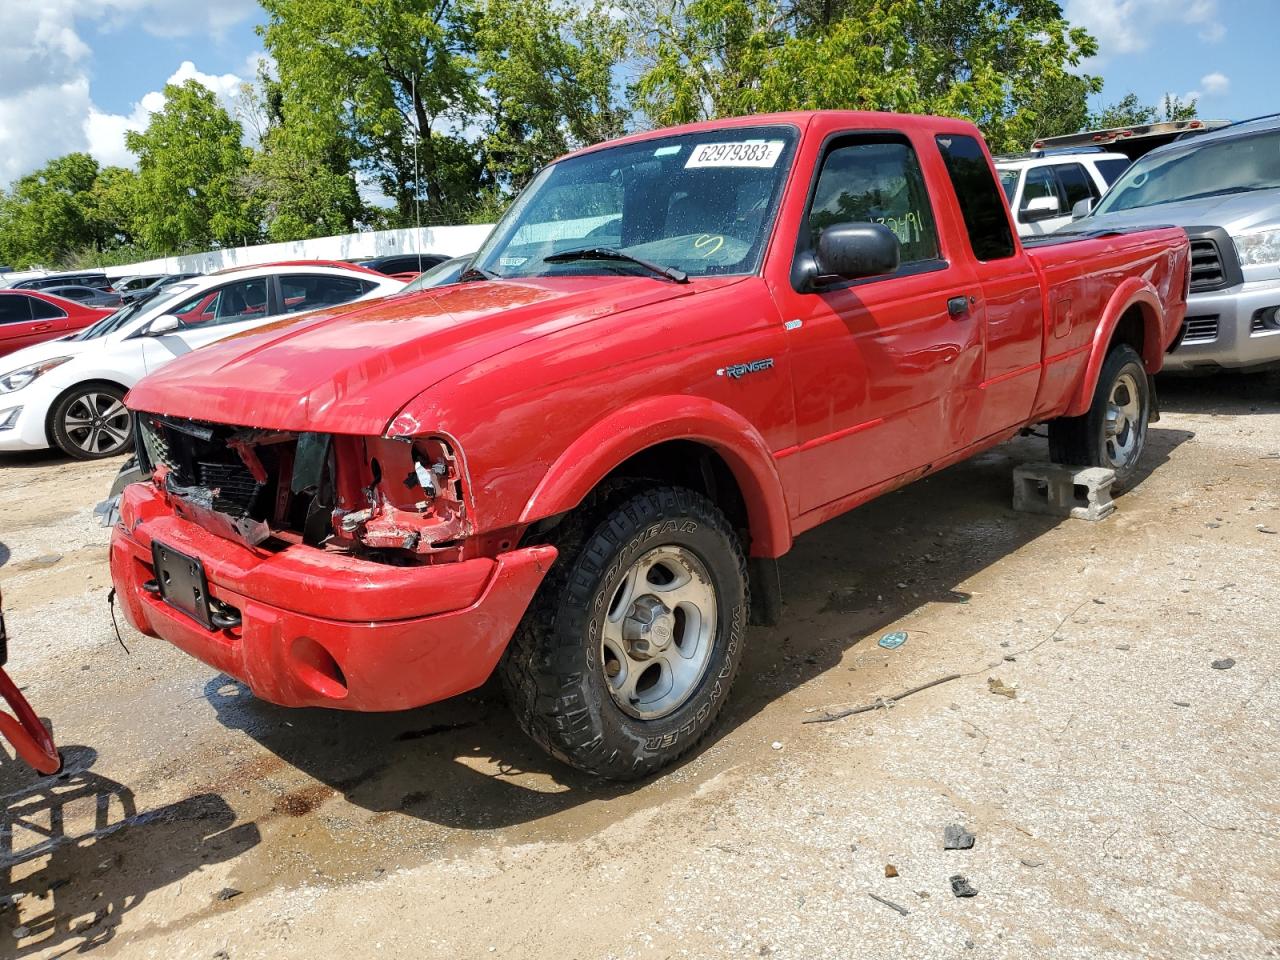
x=1064, y=491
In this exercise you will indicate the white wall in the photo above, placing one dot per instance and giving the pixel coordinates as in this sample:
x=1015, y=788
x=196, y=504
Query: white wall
x=453, y=241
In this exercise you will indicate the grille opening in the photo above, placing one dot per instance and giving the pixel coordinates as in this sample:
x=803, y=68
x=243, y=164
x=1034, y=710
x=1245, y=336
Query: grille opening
x=1200, y=329
x=1207, y=272
x=205, y=461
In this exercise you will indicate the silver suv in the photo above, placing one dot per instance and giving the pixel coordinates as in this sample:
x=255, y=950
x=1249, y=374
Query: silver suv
x=1223, y=188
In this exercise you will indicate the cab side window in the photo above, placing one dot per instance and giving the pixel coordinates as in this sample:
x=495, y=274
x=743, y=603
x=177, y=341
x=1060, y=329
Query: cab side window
x=1040, y=183
x=1076, y=184
x=877, y=181
x=243, y=300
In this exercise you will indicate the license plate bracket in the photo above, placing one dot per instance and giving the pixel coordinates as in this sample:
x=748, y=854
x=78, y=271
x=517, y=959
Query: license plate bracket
x=182, y=581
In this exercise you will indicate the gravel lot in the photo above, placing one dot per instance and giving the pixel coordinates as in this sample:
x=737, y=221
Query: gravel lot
x=1124, y=801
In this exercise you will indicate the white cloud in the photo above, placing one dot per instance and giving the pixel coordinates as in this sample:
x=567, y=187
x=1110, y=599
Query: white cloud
x=1215, y=84
x=1126, y=26
x=46, y=107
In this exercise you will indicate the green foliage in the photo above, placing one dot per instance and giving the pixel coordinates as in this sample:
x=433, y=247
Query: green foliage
x=1174, y=107
x=1009, y=66
x=450, y=106
x=190, y=165
x=1130, y=112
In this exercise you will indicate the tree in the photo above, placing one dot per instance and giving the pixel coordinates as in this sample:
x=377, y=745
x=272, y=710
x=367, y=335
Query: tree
x=389, y=77
x=300, y=179
x=1008, y=65
x=546, y=74
x=1130, y=112
x=1174, y=107
x=190, y=165
x=49, y=212
x=447, y=105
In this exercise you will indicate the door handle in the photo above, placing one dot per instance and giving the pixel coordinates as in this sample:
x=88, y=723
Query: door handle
x=41, y=328
x=959, y=306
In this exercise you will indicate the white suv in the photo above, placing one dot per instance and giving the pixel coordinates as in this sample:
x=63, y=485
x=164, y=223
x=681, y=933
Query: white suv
x=1043, y=187
x=69, y=393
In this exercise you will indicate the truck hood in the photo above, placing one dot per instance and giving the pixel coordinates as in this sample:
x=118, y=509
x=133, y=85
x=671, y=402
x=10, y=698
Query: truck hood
x=1234, y=212
x=350, y=370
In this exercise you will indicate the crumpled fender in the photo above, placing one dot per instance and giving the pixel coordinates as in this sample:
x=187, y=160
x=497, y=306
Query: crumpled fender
x=655, y=420
x=1132, y=291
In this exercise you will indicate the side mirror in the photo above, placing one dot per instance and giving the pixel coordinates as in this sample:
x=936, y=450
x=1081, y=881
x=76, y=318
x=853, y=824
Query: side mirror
x=1041, y=208
x=852, y=251
x=165, y=323
x=1082, y=208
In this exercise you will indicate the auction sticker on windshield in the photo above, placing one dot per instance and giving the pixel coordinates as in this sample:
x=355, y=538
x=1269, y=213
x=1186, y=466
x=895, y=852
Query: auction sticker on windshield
x=748, y=153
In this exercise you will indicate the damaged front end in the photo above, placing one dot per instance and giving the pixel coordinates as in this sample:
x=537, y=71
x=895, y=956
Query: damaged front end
x=390, y=501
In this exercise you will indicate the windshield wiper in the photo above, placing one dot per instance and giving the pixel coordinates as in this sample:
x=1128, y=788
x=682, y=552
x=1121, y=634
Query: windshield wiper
x=608, y=253
x=477, y=273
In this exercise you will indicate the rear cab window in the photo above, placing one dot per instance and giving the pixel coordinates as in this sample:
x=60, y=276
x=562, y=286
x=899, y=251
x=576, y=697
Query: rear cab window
x=985, y=212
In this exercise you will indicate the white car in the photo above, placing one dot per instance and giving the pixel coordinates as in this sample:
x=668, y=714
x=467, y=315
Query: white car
x=1043, y=187
x=69, y=393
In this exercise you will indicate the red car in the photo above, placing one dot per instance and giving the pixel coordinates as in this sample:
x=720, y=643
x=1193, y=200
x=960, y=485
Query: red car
x=32, y=316
x=578, y=465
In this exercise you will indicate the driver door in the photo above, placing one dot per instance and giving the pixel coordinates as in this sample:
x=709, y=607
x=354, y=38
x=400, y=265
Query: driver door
x=213, y=315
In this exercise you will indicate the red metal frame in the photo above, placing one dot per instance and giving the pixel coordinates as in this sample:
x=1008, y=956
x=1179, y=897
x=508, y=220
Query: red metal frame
x=27, y=734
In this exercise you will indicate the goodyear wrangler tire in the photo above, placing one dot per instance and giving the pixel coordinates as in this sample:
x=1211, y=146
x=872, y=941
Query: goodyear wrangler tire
x=628, y=652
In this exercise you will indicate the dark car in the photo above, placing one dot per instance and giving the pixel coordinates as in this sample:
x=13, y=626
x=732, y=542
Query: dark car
x=405, y=266
x=95, y=279
x=135, y=282
x=160, y=283
x=442, y=274
x=89, y=296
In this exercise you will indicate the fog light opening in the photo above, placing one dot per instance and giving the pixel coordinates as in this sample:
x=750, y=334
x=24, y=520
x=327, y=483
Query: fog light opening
x=316, y=667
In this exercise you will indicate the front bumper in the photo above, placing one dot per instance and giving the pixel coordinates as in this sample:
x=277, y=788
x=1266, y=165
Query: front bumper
x=322, y=629
x=28, y=431
x=1218, y=334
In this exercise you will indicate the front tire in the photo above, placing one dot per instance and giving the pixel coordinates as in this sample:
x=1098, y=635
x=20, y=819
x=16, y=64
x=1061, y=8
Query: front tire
x=1113, y=433
x=90, y=422
x=628, y=652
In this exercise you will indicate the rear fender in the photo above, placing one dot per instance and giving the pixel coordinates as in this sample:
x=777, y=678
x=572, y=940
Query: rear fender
x=624, y=433
x=1132, y=292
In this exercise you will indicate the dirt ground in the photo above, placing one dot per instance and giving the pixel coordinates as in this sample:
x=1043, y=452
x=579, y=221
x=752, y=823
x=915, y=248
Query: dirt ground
x=1124, y=801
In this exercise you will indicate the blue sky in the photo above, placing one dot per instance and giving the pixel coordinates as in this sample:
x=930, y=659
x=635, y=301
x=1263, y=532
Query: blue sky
x=82, y=72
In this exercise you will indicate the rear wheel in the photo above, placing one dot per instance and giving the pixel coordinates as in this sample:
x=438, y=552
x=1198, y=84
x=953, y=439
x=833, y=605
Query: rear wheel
x=90, y=422
x=1113, y=433
x=627, y=654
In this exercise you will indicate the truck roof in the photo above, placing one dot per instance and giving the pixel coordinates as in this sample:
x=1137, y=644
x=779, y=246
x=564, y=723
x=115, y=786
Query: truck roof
x=800, y=119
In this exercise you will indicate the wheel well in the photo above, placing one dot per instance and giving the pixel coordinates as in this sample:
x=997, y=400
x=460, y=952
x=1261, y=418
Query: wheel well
x=1130, y=329
x=687, y=463
x=48, y=417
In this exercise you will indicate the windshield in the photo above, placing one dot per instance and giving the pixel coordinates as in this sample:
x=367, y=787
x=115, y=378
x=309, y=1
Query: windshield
x=702, y=203
x=115, y=321
x=1237, y=165
x=1009, y=180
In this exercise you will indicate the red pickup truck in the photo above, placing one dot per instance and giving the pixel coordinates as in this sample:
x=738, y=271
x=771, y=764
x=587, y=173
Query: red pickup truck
x=675, y=353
